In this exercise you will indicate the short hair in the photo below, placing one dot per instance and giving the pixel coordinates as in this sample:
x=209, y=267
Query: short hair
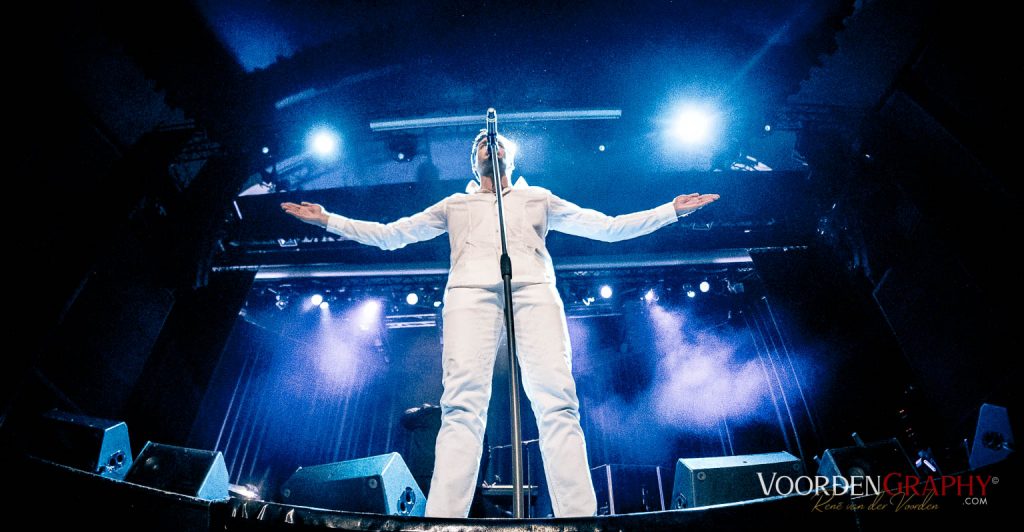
x=510, y=152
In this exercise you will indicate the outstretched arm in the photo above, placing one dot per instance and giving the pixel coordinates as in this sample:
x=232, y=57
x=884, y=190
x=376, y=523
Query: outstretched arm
x=690, y=203
x=311, y=213
x=570, y=218
x=421, y=226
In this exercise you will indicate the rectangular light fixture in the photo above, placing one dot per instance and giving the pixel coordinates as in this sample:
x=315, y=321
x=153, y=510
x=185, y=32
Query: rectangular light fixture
x=469, y=120
x=607, y=262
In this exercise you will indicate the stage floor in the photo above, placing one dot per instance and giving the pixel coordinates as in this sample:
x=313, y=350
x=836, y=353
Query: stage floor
x=52, y=496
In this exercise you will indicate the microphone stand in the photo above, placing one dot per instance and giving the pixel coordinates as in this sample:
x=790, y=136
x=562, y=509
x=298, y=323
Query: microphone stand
x=510, y=329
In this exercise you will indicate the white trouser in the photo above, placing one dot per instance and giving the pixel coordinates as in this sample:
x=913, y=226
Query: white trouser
x=473, y=326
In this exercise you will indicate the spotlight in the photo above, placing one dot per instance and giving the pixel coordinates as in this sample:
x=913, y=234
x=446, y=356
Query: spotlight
x=691, y=293
x=649, y=296
x=281, y=303
x=324, y=305
x=437, y=304
x=692, y=126
x=247, y=491
x=606, y=291
x=316, y=299
x=705, y=286
x=369, y=311
x=368, y=314
x=601, y=147
x=412, y=298
x=324, y=143
x=767, y=128
x=403, y=148
x=266, y=150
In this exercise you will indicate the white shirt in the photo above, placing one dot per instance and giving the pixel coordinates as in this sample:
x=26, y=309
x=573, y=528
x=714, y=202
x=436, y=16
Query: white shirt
x=471, y=221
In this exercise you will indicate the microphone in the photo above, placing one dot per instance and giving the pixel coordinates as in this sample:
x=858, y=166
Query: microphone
x=492, y=123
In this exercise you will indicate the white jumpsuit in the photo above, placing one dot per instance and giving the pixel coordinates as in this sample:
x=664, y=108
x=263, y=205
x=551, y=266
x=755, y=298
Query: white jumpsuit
x=474, y=325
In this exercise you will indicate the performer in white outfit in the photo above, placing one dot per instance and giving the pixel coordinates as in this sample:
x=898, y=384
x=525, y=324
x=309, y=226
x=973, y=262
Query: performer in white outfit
x=474, y=324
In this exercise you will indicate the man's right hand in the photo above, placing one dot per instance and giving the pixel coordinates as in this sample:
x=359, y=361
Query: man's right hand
x=310, y=213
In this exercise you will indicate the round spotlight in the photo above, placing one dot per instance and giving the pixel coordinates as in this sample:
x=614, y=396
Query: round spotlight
x=265, y=150
x=316, y=299
x=324, y=305
x=369, y=311
x=691, y=293
x=437, y=304
x=403, y=148
x=692, y=126
x=601, y=147
x=705, y=286
x=767, y=128
x=606, y=291
x=412, y=298
x=324, y=143
x=649, y=296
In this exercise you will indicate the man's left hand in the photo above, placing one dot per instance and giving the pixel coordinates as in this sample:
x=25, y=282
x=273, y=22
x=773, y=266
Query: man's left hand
x=688, y=203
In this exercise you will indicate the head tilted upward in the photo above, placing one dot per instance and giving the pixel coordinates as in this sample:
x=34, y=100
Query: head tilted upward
x=482, y=165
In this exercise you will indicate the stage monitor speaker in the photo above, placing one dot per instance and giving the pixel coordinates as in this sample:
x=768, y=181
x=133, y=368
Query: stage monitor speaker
x=875, y=459
x=625, y=489
x=993, y=439
x=193, y=472
x=719, y=480
x=91, y=444
x=379, y=484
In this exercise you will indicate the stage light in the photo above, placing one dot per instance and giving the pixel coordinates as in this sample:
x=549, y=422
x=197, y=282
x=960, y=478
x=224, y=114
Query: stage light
x=601, y=147
x=507, y=118
x=247, y=491
x=412, y=298
x=705, y=286
x=692, y=126
x=316, y=299
x=691, y=293
x=265, y=150
x=324, y=143
x=649, y=296
x=437, y=304
x=606, y=291
x=324, y=305
x=369, y=312
x=403, y=148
